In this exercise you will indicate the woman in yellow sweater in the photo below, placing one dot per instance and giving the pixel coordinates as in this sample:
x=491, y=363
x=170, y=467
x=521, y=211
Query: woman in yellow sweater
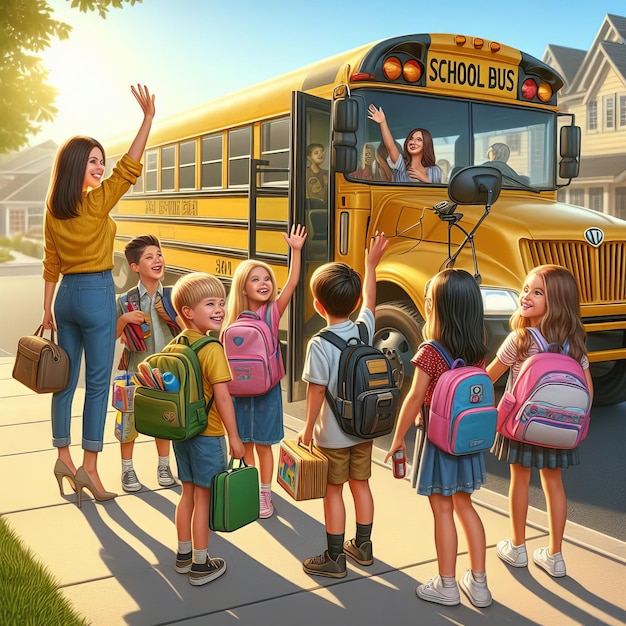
x=79, y=237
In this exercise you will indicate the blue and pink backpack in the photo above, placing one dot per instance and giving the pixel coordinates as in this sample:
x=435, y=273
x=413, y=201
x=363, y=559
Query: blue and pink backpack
x=463, y=415
x=549, y=403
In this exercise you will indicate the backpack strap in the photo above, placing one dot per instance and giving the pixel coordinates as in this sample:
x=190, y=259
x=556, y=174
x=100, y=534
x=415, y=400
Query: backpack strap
x=196, y=346
x=543, y=344
x=167, y=312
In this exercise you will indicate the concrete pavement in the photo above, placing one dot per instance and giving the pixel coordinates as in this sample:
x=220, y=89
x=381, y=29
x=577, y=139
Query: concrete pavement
x=115, y=561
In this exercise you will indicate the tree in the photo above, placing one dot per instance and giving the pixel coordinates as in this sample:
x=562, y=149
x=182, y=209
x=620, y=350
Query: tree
x=27, y=27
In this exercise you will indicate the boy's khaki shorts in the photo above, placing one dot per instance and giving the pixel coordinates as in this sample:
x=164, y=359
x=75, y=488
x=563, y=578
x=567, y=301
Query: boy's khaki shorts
x=344, y=463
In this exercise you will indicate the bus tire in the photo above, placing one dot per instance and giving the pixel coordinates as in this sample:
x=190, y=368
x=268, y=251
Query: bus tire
x=609, y=387
x=398, y=334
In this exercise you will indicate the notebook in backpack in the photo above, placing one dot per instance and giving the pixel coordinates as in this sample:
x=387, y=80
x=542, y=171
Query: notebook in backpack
x=367, y=400
x=463, y=415
x=253, y=352
x=175, y=415
x=549, y=403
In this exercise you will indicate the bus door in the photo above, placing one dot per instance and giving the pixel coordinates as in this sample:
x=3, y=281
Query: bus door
x=310, y=189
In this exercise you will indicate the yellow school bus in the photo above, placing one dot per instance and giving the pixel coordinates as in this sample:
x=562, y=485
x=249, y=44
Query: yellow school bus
x=223, y=181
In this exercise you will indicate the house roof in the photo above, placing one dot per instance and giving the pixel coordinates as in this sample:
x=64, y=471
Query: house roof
x=612, y=166
x=566, y=60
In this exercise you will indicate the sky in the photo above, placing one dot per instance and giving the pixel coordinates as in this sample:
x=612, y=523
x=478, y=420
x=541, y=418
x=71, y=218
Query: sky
x=191, y=51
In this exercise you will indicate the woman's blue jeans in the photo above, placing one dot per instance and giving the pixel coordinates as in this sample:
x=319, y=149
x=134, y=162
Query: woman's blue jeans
x=84, y=311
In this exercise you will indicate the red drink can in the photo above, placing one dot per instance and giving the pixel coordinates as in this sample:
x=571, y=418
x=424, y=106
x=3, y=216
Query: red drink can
x=399, y=464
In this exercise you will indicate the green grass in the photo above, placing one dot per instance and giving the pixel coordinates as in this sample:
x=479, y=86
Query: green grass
x=5, y=255
x=30, y=595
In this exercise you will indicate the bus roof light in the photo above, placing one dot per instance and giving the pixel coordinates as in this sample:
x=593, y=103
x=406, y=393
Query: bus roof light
x=392, y=68
x=362, y=76
x=478, y=43
x=494, y=46
x=544, y=92
x=412, y=71
x=529, y=89
x=460, y=40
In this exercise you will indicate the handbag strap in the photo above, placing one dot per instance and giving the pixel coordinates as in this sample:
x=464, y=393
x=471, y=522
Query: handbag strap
x=54, y=347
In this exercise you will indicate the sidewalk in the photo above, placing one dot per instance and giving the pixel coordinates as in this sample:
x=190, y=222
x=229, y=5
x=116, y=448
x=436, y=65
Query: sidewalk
x=115, y=560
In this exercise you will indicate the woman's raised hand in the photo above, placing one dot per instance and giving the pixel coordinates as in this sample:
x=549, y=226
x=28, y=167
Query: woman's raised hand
x=146, y=101
x=376, y=114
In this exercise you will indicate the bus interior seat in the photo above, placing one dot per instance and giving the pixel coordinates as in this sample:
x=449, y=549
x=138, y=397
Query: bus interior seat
x=316, y=222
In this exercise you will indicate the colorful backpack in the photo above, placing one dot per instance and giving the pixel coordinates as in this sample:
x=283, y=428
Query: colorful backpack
x=549, y=403
x=368, y=399
x=253, y=353
x=179, y=414
x=463, y=415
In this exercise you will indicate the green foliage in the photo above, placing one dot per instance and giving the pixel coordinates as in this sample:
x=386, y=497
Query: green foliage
x=29, y=593
x=31, y=247
x=27, y=28
x=5, y=255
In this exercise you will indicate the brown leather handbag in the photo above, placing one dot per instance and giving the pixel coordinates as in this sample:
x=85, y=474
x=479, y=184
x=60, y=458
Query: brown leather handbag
x=41, y=364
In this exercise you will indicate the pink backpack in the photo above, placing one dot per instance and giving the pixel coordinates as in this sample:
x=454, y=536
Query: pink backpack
x=462, y=417
x=549, y=403
x=253, y=351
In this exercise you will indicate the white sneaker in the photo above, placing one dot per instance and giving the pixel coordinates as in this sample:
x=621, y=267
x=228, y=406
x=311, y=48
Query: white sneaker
x=266, y=508
x=478, y=593
x=130, y=482
x=515, y=556
x=165, y=476
x=553, y=564
x=434, y=591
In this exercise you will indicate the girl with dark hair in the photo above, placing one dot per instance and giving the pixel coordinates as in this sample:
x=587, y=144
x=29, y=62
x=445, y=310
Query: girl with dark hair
x=417, y=162
x=454, y=318
x=79, y=236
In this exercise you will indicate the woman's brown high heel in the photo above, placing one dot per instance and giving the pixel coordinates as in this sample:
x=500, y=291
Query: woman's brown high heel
x=61, y=470
x=83, y=481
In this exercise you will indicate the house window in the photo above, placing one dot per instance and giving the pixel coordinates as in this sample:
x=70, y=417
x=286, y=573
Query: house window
x=151, y=170
x=592, y=115
x=275, y=149
x=17, y=221
x=168, y=162
x=622, y=111
x=595, y=198
x=211, y=173
x=577, y=197
x=609, y=112
x=620, y=202
x=239, y=148
x=187, y=165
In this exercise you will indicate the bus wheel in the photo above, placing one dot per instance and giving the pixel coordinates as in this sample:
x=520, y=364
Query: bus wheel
x=398, y=333
x=609, y=382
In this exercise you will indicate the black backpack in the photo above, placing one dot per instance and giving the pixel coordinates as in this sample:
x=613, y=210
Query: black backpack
x=367, y=399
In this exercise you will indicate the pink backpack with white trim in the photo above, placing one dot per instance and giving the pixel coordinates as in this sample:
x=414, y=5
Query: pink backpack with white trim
x=253, y=352
x=549, y=403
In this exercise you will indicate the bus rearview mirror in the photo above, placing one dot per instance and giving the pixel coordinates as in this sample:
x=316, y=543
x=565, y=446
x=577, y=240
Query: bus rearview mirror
x=570, y=142
x=475, y=185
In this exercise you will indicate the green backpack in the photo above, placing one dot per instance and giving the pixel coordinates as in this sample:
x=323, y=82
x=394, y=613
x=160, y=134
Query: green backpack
x=176, y=415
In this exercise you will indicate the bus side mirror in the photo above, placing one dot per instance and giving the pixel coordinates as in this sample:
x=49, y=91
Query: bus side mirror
x=475, y=185
x=568, y=168
x=570, y=142
x=345, y=125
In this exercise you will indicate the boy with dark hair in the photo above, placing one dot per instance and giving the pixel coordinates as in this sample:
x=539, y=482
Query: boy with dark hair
x=148, y=308
x=336, y=289
x=199, y=300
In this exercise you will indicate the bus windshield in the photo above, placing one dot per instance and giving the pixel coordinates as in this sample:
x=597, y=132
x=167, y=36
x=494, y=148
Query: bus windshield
x=520, y=142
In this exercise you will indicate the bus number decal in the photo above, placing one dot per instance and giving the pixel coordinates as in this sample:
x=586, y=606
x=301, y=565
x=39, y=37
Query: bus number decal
x=223, y=268
x=172, y=207
x=473, y=76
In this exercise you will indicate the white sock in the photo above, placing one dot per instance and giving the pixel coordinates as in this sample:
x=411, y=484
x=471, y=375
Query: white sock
x=184, y=547
x=448, y=581
x=479, y=577
x=127, y=465
x=164, y=460
x=200, y=556
x=266, y=486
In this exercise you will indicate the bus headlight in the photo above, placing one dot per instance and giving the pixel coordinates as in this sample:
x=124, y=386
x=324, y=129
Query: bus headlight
x=499, y=301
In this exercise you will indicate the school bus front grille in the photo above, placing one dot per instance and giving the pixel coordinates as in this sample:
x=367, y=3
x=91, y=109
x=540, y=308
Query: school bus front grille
x=599, y=272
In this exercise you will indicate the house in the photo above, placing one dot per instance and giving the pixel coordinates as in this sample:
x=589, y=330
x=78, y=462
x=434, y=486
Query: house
x=24, y=180
x=595, y=93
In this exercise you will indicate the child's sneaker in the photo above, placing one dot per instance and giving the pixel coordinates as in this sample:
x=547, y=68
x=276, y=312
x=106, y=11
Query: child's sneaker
x=266, y=508
x=362, y=555
x=515, y=556
x=130, y=482
x=183, y=562
x=165, y=476
x=553, y=564
x=202, y=573
x=477, y=592
x=434, y=591
x=323, y=565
